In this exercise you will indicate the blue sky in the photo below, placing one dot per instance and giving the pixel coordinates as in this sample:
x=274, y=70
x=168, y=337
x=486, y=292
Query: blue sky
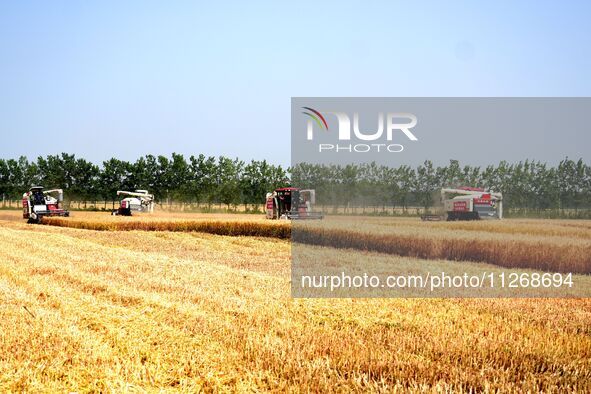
x=104, y=79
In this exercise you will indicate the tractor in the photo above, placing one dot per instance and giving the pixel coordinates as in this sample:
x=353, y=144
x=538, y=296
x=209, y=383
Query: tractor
x=39, y=203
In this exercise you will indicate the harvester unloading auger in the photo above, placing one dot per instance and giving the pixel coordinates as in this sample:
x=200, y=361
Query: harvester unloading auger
x=138, y=201
x=469, y=203
x=39, y=203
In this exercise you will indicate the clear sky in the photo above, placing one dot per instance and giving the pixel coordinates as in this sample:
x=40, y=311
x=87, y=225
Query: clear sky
x=127, y=78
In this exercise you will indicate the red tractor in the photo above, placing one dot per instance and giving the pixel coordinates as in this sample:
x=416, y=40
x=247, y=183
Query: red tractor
x=292, y=203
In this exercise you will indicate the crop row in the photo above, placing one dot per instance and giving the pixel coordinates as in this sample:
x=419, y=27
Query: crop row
x=217, y=227
x=507, y=252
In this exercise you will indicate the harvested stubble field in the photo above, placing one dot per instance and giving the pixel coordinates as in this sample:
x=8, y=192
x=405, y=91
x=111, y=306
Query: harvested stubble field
x=86, y=310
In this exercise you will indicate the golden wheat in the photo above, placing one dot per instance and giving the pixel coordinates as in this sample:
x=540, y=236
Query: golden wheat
x=167, y=311
x=219, y=227
x=536, y=227
x=507, y=252
x=534, y=244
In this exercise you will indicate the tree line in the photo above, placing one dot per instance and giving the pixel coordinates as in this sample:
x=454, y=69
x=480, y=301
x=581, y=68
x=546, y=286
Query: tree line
x=528, y=185
x=198, y=179
x=201, y=179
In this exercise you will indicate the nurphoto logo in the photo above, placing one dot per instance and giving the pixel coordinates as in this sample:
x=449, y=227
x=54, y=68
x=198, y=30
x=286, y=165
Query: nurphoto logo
x=394, y=122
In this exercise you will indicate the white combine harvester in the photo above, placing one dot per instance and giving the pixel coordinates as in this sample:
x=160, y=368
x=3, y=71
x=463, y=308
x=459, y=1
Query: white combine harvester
x=138, y=201
x=292, y=203
x=469, y=203
x=39, y=203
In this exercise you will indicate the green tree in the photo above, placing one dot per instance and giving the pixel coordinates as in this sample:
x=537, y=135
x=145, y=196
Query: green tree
x=203, y=178
x=425, y=184
x=228, y=180
x=115, y=175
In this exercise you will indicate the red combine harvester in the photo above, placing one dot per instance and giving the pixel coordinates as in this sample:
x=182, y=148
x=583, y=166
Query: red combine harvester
x=38, y=203
x=292, y=203
x=471, y=203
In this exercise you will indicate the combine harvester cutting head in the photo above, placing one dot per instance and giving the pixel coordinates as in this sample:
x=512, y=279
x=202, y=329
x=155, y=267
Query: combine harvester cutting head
x=292, y=203
x=38, y=204
x=138, y=201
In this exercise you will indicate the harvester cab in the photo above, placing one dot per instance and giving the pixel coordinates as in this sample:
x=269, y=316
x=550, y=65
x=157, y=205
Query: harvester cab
x=39, y=203
x=292, y=203
x=470, y=203
x=138, y=201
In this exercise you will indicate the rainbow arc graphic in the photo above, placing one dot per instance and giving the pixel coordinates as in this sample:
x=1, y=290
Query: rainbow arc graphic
x=317, y=116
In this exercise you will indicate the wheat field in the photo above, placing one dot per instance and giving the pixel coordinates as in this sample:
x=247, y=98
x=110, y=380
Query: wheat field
x=547, y=245
x=556, y=253
x=168, y=311
x=556, y=246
